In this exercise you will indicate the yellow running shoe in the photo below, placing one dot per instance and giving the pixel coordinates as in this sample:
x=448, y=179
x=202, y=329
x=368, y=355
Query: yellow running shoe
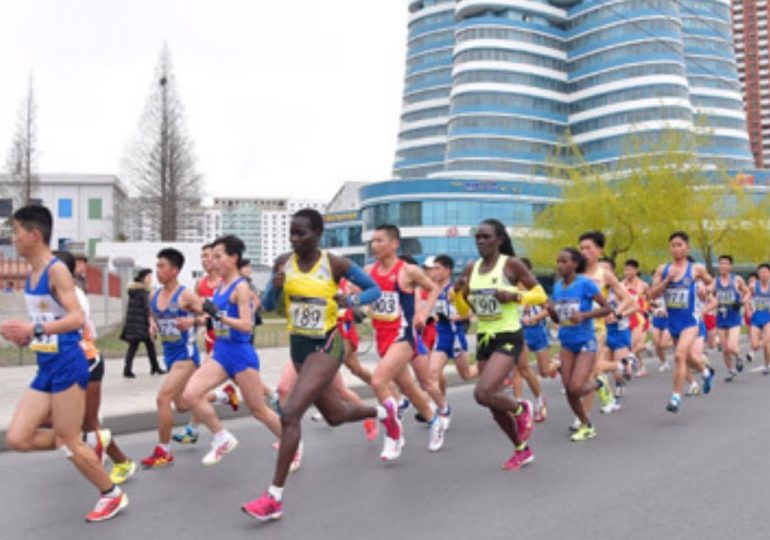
x=122, y=471
x=605, y=395
x=583, y=433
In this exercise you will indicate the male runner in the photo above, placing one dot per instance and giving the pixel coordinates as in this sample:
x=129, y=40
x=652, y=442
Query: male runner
x=639, y=321
x=760, y=314
x=731, y=292
x=58, y=390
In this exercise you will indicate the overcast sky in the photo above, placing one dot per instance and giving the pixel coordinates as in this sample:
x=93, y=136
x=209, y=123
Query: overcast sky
x=282, y=98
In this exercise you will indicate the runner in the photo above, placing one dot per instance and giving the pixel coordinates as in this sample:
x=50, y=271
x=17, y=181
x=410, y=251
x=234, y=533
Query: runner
x=346, y=325
x=639, y=321
x=233, y=355
x=306, y=282
x=731, y=292
x=495, y=301
x=760, y=316
x=571, y=307
x=676, y=282
x=58, y=390
x=397, y=323
x=661, y=338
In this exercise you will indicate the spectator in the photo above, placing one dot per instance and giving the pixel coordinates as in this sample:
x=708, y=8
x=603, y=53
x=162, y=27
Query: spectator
x=137, y=325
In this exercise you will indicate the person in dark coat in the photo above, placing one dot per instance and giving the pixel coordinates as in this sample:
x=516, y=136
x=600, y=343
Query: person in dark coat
x=137, y=326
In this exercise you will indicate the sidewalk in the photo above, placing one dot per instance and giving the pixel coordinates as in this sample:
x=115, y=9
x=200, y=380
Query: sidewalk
x=128, y=405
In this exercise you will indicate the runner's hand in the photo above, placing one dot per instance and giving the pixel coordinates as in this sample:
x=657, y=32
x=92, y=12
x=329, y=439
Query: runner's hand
x=279, y=279
x=184, y=323
x=211, y=309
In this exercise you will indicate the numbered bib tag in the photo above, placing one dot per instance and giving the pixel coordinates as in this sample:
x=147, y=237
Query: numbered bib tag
x=169, y=333
x=386, y=307
x=762, y=303
x=565, y=309
x=443, y=308
x=725, y=298
x=221, y=329
x=624, y=323
x=486, y=305
x=677, y=297
x=46, y=343
x=307, y=315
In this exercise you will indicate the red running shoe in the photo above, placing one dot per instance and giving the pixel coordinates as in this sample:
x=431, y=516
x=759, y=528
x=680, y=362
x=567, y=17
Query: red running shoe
x=107, y=508
x=159, y=458
x=265, y=508
x=370, y=426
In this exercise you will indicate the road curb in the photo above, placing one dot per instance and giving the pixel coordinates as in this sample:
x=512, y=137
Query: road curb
x=147, y=420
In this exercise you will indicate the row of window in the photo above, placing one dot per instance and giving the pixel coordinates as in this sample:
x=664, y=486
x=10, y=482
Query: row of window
x=342, y=237
x=421, y=133
x=630, y=9
x=496, y=165
x=436, y=39
x=504, y=147
x=502, y=55
x=639, y=28
x=713, y=82
x=627, y=72
x=699, y=101
x=432, y=78
x=510, y=77
x=630, y=94
x=512, y=34
x=627, y=54
x=443, y=56
x=65, y=208
x=425, y=95
x=417, y=171
x=503, y=123
x=515, y=15
x=424, y=114
x=632, y=117
x=431, y=22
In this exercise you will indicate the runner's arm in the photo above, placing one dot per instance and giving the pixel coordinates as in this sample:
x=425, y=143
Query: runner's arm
x=417, y=277
x=658, y=283
x=271, y=296
x=244, y=322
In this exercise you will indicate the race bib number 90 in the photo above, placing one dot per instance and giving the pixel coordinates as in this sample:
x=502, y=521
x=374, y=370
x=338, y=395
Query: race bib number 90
x=307, y=315
x=486, y=305
x=386, y=307
x=46, y=343
x=677, y=297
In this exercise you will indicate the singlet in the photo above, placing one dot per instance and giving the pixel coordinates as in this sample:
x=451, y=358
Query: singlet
x=444, y=308
x=170, y=335
x=43, y=307
x=221, y=299
x=204, y=290
x=761, y=298
x=394, y=309
x=727, y=296
x=576, y=297
x=600, y=280
x=680, y=296
x=494, y=316
x=620, y=324
x=309, y=297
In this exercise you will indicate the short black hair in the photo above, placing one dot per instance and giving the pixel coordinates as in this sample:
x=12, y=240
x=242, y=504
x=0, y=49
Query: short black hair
x=68, y=259
x=445, y=260
x=577, y=258
x=174, y=256
x=245, y=262
x=204, y=247
x=35, y=217
x=408, y=259
x=314, y=217
x=727, y=258
x=526, y=262
x=681, y=235
x=753, y=275
x=233, y=246
x=141, y=274
x=391, y=230
x=763, y=265
x=633, y=263
x=597, y=237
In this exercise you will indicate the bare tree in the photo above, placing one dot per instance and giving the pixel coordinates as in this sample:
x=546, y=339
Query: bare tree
x=161, y=162
x=22, y=156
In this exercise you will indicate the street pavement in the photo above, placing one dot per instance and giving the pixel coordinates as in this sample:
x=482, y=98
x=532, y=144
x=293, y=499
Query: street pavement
x=701, y=474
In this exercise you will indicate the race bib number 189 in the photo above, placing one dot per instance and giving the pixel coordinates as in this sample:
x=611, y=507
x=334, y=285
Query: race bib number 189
x=307, y=315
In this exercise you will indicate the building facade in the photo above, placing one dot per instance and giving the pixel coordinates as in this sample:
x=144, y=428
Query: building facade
x=343, y=226
x=750, y=19
x=86, y=208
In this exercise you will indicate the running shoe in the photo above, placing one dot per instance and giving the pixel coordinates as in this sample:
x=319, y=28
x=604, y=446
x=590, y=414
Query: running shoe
x=583, y=433
x=265, y=508
x=604, y=393
x=122, y=471
x=403, y=405
x=391, y=449
x=103, y=440
x=219, y=450
x=394, y=440
x=766, y=370
x=730, y=377
x=232, y=396
x=708, y=381
x=616, y=406
x=575, y=425
x=524, y=424
x=188, y=436
x=541, y=412
x=739, y=364
x=641, y=372
x=609, y=408
x=370, y=426
x=296, y=462
x=275, y=403
x=447, y=417
x=693, y=389
x=749, y=357
x=519, y=459
x=674, y=404
x=665, y=366
x=107, y=507
x=317, y=417
x=158, y=458
x=437, y=429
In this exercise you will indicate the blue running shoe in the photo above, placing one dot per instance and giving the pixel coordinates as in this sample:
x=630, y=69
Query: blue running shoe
x=403, y=405
x=708, y=380
x=674, y=404
x=187, y=436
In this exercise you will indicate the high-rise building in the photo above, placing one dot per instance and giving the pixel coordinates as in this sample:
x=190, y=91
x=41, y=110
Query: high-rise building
x=493, y=88
x=750, y=19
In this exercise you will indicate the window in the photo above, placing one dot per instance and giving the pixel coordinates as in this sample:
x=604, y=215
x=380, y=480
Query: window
x=65, y=208
x=94, y=209
x=6, y=208
x=92, y=242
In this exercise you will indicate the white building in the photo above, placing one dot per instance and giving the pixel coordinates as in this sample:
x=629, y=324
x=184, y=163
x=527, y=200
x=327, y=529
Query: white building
x=145, y=254
x=87, y=208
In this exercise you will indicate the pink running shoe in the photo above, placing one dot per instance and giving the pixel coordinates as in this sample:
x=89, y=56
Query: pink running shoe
x=513, y=464
x=392, y=423
x=524, y=424
x=526, y=456
x=265, y=508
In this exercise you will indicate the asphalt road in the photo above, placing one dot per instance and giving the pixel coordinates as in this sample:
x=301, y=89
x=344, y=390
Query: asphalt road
x=649, y=474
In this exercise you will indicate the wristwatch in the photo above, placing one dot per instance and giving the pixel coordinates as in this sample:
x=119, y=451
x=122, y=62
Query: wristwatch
x=38, y=330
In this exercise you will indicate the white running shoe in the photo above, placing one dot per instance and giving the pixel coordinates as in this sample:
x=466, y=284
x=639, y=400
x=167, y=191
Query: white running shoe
x=692, y=390
x=437, y=430
x=665, y=366
x=609, y=408
x=391, y=449
x=219, y=450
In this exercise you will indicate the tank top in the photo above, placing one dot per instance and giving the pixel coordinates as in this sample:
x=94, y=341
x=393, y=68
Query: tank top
x=761, y=298
x=166, y=319
x=43, y=307
x=204, y=290
x=727, y=295
x=309, y=297
x=394, y=309
x=221, y=299
x=600, y=280
x=679, y=296
x=494, y=316
x=620, y=324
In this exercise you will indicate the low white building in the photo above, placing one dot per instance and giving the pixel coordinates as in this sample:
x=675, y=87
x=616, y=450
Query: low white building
x=87, y=208
x=145, y=254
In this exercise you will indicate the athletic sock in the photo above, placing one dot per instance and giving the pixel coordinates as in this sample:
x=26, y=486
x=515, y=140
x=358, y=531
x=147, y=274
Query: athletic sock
x=677, y=397
x=445, y=410
x=540, y=402
x=382, y=412
x=114, y=491
x=90, y=438
x=522, y=446
x=706, y=372
x=276, y=492
x=165, y=447
x=222, y=436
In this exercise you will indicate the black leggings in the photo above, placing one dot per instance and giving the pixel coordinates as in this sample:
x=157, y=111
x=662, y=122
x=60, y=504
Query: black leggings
x=132, y=348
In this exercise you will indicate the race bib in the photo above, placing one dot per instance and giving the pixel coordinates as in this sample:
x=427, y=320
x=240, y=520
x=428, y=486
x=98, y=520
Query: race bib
x=307, y=314
x=386, y=307
x=168, y=330
x=220, y=328
x=486, y=305
x=565, y=309
x=725, y=298
x=762, y=303
x=677, y=297
x=46, y=343
x=442, y=308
